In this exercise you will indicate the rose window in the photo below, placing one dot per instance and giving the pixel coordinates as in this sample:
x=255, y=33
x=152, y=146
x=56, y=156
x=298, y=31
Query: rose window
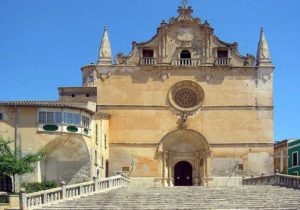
x=186, y=98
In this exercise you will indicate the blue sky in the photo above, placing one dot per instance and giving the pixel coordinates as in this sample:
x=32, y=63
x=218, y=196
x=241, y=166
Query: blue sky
x=44, y=43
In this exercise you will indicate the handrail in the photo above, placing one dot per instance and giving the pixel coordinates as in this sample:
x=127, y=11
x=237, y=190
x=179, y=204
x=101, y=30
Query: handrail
x=276, y=179
x=65, y=192
x=231, y=173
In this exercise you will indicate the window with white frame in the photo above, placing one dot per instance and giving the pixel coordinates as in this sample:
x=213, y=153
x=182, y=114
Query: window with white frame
x=85, y=121
x=72, y=118
x=65, y=117
x=295, y=159
x=50, y=117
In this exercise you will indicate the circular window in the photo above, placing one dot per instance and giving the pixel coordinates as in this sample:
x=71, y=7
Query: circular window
x=186, y=96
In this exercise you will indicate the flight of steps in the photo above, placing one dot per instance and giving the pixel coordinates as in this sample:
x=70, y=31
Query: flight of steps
x=242, y=197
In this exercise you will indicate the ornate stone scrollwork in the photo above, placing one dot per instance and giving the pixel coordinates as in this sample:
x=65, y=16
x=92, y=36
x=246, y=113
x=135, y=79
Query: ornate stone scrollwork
x=120, y=59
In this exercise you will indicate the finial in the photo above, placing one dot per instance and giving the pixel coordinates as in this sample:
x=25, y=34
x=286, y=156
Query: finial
x=105, y=54
x=263, y=55
x=184, y=3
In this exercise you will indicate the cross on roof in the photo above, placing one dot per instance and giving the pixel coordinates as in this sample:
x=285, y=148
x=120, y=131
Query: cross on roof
x=184, y=3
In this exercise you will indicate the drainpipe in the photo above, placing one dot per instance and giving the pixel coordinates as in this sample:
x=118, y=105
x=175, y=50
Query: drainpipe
x=15, y=142
x=16, y=128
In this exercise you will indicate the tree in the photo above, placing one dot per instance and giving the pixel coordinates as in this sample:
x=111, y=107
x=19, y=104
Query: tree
x=12, y=163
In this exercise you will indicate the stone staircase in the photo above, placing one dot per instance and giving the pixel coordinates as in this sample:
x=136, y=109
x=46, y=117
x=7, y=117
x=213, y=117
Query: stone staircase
x=241, y=197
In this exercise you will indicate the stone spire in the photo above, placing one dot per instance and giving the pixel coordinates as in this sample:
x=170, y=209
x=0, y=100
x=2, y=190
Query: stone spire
x=105, y=50
x=263, y=55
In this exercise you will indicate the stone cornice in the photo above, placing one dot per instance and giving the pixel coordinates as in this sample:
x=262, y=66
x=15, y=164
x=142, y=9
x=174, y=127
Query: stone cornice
x=203, y=108
x=212, y=145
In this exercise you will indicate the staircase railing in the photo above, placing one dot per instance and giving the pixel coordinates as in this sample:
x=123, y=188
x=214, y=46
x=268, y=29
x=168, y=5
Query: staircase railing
x=66, y=192
x=233, y=170
x=276, y=179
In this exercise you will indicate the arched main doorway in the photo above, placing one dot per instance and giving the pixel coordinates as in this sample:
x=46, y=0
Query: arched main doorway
x=183, y=174
x=184, y=154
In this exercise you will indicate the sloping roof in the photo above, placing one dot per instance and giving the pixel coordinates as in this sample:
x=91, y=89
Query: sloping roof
x=86, y=106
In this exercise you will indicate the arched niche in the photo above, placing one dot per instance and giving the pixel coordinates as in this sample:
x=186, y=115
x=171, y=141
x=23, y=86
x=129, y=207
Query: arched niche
x=68, y=159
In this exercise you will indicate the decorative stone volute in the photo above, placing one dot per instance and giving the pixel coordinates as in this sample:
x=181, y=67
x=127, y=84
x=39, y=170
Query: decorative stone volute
x=105, y=54
x=263, y=55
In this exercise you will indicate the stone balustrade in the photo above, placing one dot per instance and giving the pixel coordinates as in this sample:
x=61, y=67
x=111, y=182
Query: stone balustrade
x=148, y=61
x=277, y=179
x=66, y=192
x=222, y=61
x=186, y=62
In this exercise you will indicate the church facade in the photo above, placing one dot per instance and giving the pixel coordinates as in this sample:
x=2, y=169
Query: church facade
x=184, y=108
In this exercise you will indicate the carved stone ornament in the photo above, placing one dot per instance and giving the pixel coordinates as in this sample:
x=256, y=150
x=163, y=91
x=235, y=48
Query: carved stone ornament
x=120, y=59
x=185, y=36
x=105, y=76
x=183, y=121
x=165, y=75
x=265, y=78
x=186, y=96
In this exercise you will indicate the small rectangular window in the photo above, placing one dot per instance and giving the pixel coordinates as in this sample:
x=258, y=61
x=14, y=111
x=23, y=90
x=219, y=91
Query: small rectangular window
x=50, y=117
x=147, y=53
x=1, y=116
x=58, y=117
x=96, y=157
x=85, y=121
x=42, y=117
x=96, y=134
x=105, y=141
x=125, y=168
x=295, y=158
x=222, y=54
x=240, y=167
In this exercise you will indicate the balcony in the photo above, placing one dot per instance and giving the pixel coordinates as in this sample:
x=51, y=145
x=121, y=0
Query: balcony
x=148, y=61
x=186, y=62
x=222, y=62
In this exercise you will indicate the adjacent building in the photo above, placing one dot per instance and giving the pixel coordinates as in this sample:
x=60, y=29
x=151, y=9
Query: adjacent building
x=184, y=108
x=286, y=156
x=281, y=157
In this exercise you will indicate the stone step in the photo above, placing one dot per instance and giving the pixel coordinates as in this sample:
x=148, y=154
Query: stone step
x=241, y=197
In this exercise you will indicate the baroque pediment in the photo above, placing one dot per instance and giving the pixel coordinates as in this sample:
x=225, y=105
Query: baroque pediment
x=184, y=41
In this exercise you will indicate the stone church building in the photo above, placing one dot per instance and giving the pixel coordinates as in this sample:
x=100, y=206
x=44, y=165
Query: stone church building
x=184, y=108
